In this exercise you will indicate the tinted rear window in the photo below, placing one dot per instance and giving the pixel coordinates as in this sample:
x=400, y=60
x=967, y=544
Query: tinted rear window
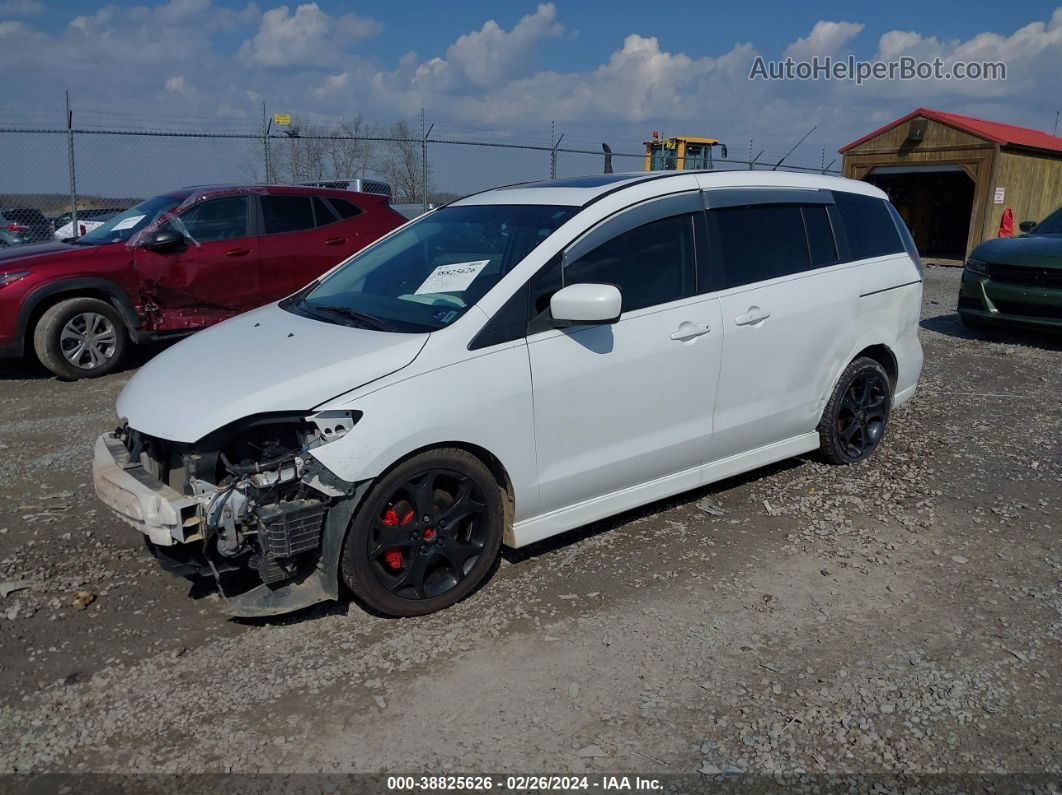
x=322, y=212
x=286, y=214
x=760, y=242
x=344, y=208
x=868, y=225
x=820, y=236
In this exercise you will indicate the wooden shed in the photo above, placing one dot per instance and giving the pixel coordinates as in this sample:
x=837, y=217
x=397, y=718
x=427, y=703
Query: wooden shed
x=951, y=177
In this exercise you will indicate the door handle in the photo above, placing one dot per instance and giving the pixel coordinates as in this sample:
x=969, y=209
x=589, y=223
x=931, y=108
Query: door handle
x=752, y=316
x=237, y=252
x=335, y=241
x=687, y=331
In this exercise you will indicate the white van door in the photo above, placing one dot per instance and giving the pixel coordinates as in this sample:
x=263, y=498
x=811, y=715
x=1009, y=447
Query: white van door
x=618, y=405
x=789, y=318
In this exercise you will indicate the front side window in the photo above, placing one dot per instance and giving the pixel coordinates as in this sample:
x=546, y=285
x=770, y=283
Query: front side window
x=217, y=219
x=760, y=242
x=426, y=275
x=283, y=213
x=120, y=228
x=650, y=264
x=868, y=225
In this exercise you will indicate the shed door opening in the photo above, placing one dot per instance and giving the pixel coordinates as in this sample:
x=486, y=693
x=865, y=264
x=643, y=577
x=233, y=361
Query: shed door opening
x=935, y=201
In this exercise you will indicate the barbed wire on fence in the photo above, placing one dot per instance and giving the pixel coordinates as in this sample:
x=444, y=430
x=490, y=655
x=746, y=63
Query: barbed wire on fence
x=111, y=160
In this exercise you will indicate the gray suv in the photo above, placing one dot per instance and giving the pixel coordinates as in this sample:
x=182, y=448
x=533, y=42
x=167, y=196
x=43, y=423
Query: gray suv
x=20, y=225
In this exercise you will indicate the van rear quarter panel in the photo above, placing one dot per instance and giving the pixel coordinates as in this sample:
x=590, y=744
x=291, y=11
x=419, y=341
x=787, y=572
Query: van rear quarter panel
x=889, y=312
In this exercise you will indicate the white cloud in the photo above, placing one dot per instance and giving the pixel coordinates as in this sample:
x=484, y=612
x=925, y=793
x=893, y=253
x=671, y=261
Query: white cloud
x=308, y=37
x=332, y=84
x=177, y=85
x=492, y=76
x=826, y=38
x=21, y=8
x=491, y=55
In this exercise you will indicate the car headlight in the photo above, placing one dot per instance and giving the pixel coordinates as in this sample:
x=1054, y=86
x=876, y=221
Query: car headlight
x=977, y=266
x=7, y=278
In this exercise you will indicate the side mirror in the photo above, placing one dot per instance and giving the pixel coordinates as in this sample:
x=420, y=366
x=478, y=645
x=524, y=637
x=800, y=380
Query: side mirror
x=164, y=238
x=589, y=304
x=1026, y=226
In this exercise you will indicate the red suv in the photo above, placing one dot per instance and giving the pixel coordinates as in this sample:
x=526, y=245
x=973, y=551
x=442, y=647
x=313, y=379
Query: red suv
x=174, y=264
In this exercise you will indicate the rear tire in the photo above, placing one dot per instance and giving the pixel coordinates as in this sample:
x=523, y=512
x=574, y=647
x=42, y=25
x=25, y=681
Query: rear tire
x=427, y=535
x=80, y=338
x=853, y=423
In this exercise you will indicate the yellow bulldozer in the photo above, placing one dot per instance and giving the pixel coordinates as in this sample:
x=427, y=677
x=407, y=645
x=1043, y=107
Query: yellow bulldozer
x=680, y=153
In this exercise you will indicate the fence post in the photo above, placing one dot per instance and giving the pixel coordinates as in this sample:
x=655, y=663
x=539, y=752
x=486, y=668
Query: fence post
x=73, y=172
x=553, y=157
x=424, y=161
x=552, y=150
x=267, y=124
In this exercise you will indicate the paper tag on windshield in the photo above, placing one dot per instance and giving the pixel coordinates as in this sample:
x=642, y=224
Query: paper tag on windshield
x=453, y=278
x=127, y=223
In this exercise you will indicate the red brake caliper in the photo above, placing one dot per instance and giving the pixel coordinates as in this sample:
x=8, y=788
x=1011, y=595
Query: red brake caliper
x=393, y=557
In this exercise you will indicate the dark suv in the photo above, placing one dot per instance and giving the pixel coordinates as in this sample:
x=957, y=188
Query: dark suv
x=173, y=264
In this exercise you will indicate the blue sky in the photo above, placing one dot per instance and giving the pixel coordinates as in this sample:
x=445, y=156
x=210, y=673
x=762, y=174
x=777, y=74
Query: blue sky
x=427, y=27
x=601, y=70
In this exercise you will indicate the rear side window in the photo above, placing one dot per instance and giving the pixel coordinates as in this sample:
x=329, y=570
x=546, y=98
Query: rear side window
x=322, y=212
x=286, y=214
x=651, y=264
x=760, y=242
x=821, y=244
x=344, y=208
x=868, y=225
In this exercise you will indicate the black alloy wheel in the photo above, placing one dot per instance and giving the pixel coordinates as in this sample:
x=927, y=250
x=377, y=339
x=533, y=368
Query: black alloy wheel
x=426, y=536
x=855, y=418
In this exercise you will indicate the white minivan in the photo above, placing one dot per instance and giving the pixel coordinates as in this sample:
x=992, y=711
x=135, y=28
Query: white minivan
x=515, y=364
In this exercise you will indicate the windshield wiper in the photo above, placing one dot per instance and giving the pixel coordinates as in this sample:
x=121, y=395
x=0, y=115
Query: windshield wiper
x=369, y=321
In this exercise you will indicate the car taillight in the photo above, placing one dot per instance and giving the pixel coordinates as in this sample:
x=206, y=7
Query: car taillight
x=17, y=228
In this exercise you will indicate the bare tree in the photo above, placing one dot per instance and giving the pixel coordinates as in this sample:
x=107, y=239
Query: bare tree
x=349, y=154
x=315, y=152
x=402, y=163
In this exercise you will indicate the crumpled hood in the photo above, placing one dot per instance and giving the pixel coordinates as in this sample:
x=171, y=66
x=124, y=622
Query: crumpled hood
x=37, y=254
x=1037, y=251
x=262, y=361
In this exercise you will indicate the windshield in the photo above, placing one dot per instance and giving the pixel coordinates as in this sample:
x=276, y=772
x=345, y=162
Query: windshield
x=428, y=274
x=1051, y=225
x=123, y=226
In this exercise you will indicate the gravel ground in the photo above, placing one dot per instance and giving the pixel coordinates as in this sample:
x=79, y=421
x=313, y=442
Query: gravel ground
x=903, y=614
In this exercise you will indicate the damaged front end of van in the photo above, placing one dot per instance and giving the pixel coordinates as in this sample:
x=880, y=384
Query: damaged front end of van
x=246, y=504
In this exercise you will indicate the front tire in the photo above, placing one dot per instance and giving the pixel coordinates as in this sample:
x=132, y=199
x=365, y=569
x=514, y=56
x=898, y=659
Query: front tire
x=853, y=423
x=427, y=535
x=80, y=338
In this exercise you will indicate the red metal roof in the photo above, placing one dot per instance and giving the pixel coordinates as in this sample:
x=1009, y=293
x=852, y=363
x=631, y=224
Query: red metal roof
x=1005, y=134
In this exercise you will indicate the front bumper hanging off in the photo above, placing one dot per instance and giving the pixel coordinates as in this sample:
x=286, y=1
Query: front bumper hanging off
x=169, y=520
x=160, y=513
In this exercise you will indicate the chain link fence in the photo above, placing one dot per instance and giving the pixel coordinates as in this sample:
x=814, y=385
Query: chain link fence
x=95, y=169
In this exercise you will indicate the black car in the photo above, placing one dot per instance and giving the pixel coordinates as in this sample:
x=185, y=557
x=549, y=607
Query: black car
x=1016, y=281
